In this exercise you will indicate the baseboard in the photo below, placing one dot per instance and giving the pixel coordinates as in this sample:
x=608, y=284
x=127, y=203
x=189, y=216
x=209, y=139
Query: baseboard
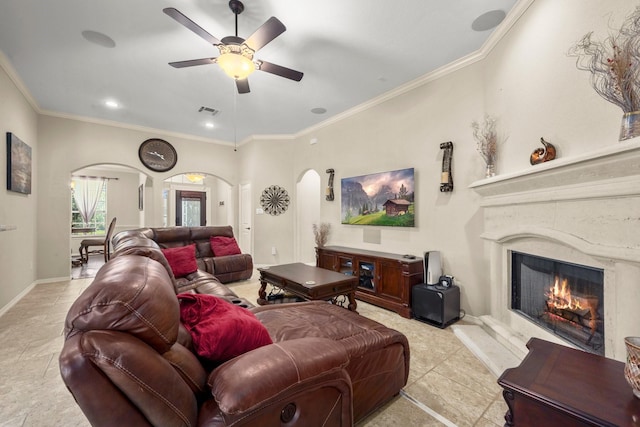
x=26, y=290
x=17, y=298
x=52, y=280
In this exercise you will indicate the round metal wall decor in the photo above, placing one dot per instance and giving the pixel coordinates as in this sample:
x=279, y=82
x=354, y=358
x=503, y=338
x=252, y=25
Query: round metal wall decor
x=274, y=200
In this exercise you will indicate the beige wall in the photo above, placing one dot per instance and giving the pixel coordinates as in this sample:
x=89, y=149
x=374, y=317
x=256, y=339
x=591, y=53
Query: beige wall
x=526, y=81
x=17, y=247
x=70, y=144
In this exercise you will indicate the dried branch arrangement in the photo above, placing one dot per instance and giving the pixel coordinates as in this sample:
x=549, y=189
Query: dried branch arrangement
x=486, y=139
x=321, y=233
x=613, y=64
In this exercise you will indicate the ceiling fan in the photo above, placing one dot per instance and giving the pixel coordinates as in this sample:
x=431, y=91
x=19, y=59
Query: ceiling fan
x=236, y=54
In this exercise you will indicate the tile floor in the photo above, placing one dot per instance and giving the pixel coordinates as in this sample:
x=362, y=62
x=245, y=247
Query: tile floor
x=447, y=385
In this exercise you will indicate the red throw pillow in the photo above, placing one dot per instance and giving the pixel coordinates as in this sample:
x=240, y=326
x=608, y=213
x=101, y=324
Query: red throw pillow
x=181, y=259
x=220, y=330
x=222, y=246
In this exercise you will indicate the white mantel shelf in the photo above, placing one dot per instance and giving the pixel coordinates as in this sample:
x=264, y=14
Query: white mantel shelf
x=8, y=227
x=613, y=171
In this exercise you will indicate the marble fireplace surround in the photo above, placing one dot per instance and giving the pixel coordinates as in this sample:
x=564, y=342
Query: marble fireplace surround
x=585, y=210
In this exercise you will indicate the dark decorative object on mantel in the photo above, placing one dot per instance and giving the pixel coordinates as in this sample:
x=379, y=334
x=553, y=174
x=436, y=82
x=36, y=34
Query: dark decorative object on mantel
x=18, y=165
x=330, y=195
x=541, y=155
x=446, y=179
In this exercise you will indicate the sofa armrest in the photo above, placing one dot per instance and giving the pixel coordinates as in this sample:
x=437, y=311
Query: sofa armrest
x=231, y=268
x=119, y=380
x=260, y=376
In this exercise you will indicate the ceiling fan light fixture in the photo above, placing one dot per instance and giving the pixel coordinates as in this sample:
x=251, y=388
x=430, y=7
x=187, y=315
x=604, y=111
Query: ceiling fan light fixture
x=237, y=65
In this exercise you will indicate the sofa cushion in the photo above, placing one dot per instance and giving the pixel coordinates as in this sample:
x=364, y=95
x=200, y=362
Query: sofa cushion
x=220, y=330
x=222, y=246
x=182, y=259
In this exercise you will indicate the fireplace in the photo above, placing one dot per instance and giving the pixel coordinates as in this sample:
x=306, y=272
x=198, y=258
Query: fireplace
x=564, y=298
x=582, y=211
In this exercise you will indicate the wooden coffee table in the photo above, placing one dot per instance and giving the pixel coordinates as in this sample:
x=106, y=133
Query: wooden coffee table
x=310, y=283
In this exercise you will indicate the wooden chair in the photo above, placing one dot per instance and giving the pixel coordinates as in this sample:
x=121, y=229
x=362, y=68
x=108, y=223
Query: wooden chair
x=104, y=243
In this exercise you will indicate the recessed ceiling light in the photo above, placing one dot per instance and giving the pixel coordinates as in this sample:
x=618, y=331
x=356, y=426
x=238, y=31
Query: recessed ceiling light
x=318, y=110
x=209, y=125
x=488, y=20
x=111, y=104
x=98, y=38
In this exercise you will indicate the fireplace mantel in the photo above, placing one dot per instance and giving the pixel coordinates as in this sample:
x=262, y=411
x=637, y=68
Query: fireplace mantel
x=584, y=210
x=613, y=171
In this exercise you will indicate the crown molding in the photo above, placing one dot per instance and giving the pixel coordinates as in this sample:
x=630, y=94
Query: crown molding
x=5, y=64
x=514, y=15
x=138, y=128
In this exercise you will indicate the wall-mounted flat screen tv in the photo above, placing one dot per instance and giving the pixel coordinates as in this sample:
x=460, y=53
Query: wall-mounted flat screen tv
x=385, y=199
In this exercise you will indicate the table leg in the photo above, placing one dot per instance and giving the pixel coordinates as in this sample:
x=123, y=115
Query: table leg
x=352, y=301
x=262, y=292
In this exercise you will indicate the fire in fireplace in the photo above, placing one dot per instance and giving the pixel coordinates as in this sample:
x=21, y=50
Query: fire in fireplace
x=564, y=298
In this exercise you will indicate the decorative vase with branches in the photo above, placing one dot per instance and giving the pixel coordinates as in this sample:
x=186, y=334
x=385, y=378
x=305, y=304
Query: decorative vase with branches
x=487, y=142
x=321, y=233
x=614, y=64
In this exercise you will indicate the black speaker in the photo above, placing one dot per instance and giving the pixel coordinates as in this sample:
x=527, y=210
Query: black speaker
x=436, y=305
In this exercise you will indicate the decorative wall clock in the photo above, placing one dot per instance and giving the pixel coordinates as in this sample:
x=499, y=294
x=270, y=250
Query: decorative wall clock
x=157, y=155
x=274, y=200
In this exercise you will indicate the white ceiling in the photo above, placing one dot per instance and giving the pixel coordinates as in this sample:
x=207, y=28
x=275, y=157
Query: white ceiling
x=350, y=51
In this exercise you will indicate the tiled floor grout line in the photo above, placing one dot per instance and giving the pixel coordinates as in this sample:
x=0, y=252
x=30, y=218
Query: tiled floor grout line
x=428, y=410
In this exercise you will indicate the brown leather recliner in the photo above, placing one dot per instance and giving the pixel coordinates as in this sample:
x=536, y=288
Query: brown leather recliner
x=128, y=361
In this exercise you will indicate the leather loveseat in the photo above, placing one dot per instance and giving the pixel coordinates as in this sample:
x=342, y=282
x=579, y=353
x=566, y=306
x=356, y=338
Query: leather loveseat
x=129, y=361
x=227, y=268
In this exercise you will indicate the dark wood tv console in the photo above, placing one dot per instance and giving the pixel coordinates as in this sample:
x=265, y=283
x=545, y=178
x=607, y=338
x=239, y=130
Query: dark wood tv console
x=560, y=386
x=384, y=279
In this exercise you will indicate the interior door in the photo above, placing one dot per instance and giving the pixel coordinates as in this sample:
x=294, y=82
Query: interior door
x=191, y=208
x=245, y=219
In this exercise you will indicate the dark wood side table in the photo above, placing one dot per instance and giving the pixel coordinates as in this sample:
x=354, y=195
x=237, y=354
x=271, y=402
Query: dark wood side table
x=560, y=386
x=310, y=283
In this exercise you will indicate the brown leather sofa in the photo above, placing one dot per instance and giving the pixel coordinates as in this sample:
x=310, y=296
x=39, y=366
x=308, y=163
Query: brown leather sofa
x=128, y=361
x=228, y=268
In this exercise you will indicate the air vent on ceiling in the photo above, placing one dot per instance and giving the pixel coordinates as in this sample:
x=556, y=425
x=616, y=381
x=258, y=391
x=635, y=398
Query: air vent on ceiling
x=208, y=110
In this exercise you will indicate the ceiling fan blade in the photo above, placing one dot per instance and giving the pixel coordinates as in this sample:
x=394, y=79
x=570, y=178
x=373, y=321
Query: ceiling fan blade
x=243, y=86
x=178, y=16
x=279, y=70
x=192, y=62
x=267, y=32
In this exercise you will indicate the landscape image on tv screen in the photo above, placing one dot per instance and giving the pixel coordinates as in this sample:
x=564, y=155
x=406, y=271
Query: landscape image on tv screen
x=385, y=198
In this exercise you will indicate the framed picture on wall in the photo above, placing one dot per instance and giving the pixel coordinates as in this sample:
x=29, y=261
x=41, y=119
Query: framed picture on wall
x=383, y=199
x=141, y=197
x=18, y=165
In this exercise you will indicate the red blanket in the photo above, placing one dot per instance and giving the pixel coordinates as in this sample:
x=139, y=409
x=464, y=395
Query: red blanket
x=220, y=330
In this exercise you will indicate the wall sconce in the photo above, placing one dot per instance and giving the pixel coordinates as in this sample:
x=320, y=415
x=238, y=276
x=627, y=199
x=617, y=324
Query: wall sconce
x=330, y=196
x=446, y=179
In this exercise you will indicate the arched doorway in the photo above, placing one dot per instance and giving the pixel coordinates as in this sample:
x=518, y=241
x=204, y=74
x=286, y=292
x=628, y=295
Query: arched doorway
x=197, y=198
x=120, y=198
x=308, y=195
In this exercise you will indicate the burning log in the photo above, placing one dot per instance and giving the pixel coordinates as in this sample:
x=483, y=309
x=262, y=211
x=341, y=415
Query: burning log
x=582, y=311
